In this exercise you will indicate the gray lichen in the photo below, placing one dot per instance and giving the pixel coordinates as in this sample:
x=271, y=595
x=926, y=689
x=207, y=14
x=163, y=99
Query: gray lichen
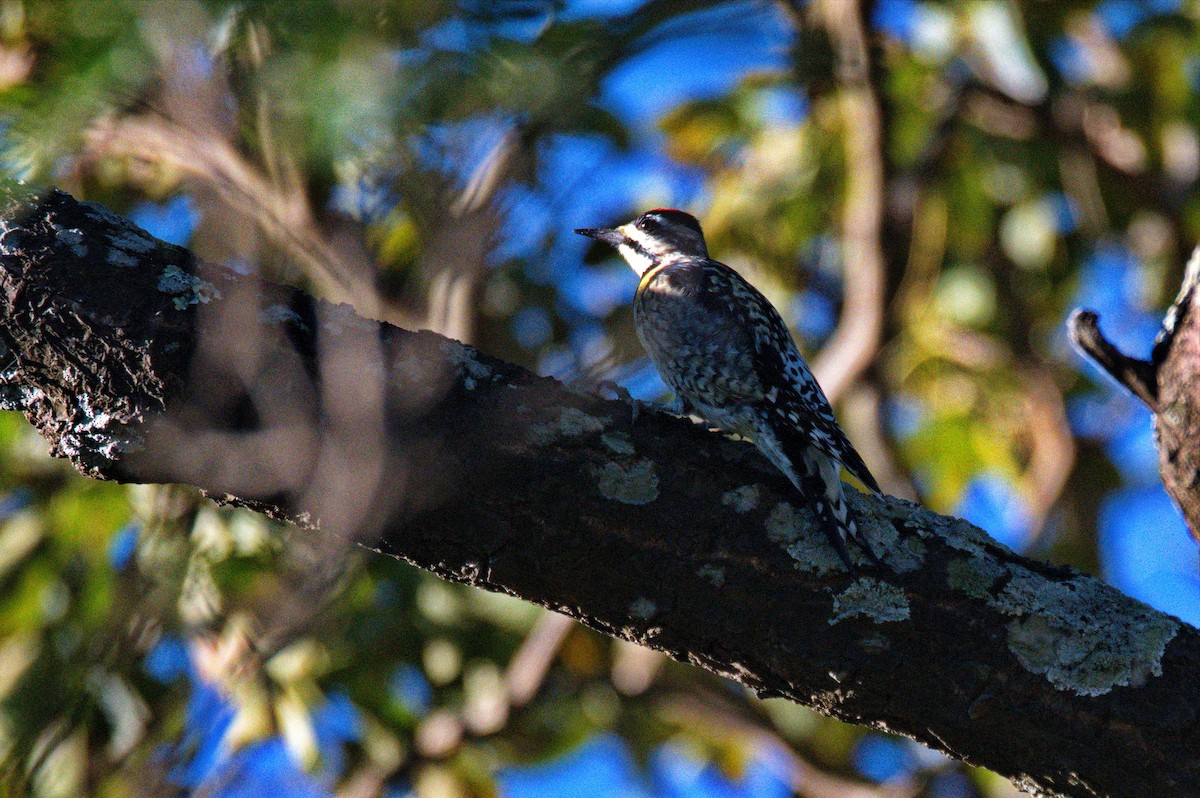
x=123, y=234
x=743, y=499
x=879, y=530
x=807, y=547
x=629, y=484
x=617, y=443
x=475, y=372
x=1082, y=636
x=340, y=319
x=570, y=423
x=643, y=608
x=187, y=288
x=924, y=523
x=783, y=524
x=879, y=601
x=811, y=550
x=961, y=535
x=974, y=576
x=463, y=357
x=119, y=257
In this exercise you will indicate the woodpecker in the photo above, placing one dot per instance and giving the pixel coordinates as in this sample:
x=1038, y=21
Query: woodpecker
x=726, y=353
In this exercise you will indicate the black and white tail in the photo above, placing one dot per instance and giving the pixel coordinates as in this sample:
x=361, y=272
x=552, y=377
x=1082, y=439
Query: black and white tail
x=817, y=476
x=821, y=483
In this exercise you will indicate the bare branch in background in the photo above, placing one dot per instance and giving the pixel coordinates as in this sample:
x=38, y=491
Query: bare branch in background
x=714, y=715
x=1052, y=453
x=634, y=668
x=528, y=667
x=1081, y=182
x=1052, y=446
x=862, y=417
x=456, y=255
x=190, y=132
x=855, y=341
x=999, y=117
x=805, y=779
x=1092, y=143
x=1048, y=433
x=286, y=219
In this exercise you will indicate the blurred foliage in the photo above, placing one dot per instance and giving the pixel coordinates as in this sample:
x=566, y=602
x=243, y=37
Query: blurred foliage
x=1037, y=156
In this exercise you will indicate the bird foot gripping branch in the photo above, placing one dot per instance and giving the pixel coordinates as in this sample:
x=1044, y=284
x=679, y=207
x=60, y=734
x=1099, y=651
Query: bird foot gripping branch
x=727, y=354
x=607, y=389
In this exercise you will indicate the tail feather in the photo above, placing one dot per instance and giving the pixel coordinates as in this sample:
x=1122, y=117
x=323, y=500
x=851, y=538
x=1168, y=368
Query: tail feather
x=815, y=475
x=835, y=529
x=824, y=489
x=855, y=465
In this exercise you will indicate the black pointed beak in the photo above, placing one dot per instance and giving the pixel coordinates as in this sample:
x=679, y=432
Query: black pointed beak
x=613, y=237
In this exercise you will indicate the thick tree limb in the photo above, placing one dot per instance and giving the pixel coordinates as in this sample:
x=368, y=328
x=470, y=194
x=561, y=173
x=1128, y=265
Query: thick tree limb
x=140, y=365
x=1168, y=383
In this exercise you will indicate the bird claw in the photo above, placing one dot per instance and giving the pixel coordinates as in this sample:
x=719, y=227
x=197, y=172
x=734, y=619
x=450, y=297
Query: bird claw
x=615, y=392
x=607, y=389
x=675, y=407
x=612, y=391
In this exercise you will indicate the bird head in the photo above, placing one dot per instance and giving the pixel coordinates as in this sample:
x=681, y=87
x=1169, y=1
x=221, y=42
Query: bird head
x=655, y=236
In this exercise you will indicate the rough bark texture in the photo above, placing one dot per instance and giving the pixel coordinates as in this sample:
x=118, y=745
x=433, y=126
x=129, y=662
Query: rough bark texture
x=141, y=365
x=1168, y=383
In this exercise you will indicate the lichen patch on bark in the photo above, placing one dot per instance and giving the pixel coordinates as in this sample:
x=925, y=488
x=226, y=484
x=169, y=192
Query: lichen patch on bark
x=188, y=289
x=879, y=601
x=974, y=576
x=629, y=484
x=742, y=499
x=811, y=552
x=569, y=424
x=1081, y=636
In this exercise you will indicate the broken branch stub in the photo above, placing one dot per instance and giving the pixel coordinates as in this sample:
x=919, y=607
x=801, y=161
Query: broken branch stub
x=1168, y=383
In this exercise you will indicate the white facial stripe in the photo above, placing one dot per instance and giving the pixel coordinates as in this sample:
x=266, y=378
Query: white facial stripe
x=647, y=242
x=636, y=260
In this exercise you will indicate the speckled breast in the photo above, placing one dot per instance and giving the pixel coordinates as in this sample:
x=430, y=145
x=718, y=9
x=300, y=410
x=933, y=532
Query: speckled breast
x=699, y=349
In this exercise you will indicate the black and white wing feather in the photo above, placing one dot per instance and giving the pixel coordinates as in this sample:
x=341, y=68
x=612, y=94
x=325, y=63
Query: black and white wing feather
x=790, y=385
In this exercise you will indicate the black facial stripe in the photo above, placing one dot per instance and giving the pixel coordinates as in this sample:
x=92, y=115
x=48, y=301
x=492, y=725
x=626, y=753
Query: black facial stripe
x=637, y=247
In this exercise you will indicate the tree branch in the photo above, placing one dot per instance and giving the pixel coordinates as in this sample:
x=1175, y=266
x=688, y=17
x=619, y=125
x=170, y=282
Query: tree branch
x=1138, y=376
x=140, y=364
x=855, y=341
x=1169, y=384
x=1176, y=355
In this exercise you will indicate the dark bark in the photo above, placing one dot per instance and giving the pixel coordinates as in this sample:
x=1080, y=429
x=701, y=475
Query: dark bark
x=1168, y=383
x=141, y=365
